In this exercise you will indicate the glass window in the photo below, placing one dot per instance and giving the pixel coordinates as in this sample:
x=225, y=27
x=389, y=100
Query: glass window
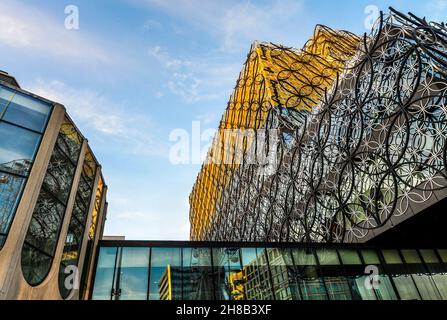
x=336, y=283
x=69, y=141
x=27, y=112
x=59, y=175
x=165, y=275
x=406, y=287
x=411, y=256
x=134, y=274
x=305, y=273
x=35, y=264
x=10, y=191
x=304, y=257
x=229, y=278
x=349, y=257
x=197, y=274
x=46, y=222
x=44, y=227
x=355, y=273
x=443, y=254
x=75, y=234
x=17, y=149
x=391, y=257
x=429, y=256
x=105, y=274
x=370, y=257
x=285, y=282
x=385, y=290
x=257, y=281
x=6, y=96
x=328, y=257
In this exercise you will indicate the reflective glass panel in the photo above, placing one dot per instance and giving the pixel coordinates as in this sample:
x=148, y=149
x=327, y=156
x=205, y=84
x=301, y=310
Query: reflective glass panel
x=336, y=283
x=443, y=254
x=44, y=227
x=6, y=96
x=197, y=274
x=27, y=112
x=391, y=257
x=10, y=190
x=134, y=274
x=370, y=257
x=429, y=256
x=165, y=280
x=105, y=274
x=229, y=277
x=46, y=222
x=305, y=273
x=17, y=149
x=256, y=274
x=286, y=284
x=35, y=264
x=349, y=257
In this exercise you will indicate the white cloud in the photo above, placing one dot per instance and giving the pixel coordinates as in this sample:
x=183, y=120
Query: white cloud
x=163, y=57
x=91, y=110
x=207, y=117
x=195, y=80
x=25, y=27
x=236, y=23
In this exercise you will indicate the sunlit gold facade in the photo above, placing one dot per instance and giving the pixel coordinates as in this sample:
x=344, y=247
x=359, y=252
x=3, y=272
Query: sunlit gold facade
x=272, y=77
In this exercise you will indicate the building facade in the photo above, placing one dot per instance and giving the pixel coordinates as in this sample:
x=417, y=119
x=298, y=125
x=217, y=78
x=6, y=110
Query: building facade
x=52, y=199
x=157, y=270
x=359, y=140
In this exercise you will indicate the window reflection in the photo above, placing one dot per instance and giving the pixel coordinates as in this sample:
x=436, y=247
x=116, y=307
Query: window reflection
x=11, y=187
x=285, y=284
x=229, y=279
x=336, y=284
x=257, y=276
x=202, y=273
x=134, y=274
x=22, y=120
x=17, y=149
x=105, y=274
x=77, y=225
x=306, y=275
x=165, y=280
x=27, y=112
x=402, y=279
x=46, y=222
x=197, y=274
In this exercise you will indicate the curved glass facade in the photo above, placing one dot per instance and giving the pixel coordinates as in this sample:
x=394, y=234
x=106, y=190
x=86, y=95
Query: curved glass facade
x=22, y=122
x=45, y=226
x=77, y=226
x=191, y=271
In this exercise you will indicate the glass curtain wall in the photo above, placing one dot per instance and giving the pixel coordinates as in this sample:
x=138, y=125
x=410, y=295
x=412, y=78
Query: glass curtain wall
x=23, y=120
x=204, y=273
x=77, y=226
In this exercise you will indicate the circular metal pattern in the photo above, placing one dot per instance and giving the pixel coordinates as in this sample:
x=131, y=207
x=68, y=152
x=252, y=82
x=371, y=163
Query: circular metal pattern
x=351, y=155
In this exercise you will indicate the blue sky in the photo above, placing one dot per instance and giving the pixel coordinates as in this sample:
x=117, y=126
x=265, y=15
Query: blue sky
x=138, y=69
